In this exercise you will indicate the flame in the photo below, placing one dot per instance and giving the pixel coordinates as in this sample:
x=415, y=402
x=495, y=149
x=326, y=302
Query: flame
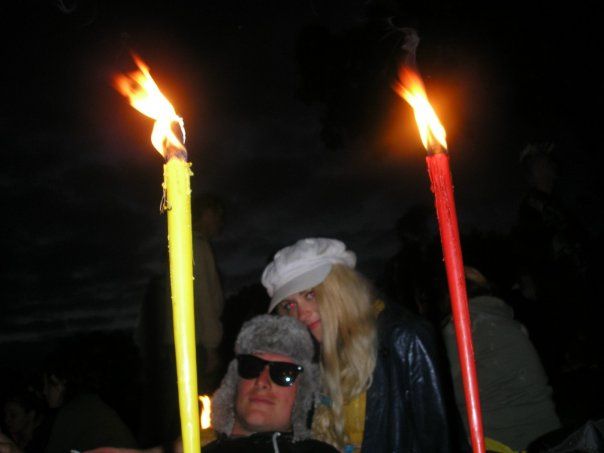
x=411, y=88
x=145, y=96
x=206, y=411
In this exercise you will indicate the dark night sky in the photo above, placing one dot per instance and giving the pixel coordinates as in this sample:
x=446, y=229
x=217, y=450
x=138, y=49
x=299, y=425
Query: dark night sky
x=289, y=116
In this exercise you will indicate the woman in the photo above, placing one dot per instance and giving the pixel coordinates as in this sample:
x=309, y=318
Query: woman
x=382, y=383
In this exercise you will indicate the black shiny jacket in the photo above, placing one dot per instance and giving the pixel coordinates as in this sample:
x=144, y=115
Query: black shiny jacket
x=269, y=442
x=410, y=406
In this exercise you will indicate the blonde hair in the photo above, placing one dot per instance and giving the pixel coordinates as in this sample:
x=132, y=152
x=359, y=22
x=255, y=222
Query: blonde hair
x=348, y=347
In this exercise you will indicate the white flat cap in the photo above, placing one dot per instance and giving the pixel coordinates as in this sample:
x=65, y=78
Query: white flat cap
x=302, y=266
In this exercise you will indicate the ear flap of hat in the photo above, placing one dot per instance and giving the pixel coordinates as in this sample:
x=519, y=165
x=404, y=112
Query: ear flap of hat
x=306, y=399
x=223, y=401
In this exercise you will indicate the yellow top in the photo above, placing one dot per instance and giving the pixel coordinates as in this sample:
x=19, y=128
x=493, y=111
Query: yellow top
x=354, y=411
x=354, y=421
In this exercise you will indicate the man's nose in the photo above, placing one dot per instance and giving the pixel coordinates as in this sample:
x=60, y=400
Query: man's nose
x=264, y=379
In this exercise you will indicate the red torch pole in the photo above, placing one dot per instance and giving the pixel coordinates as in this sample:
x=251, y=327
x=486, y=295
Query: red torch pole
x=411, y=88
x=442, y=187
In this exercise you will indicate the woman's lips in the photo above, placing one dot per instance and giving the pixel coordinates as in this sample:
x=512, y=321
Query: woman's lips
x=314, y=324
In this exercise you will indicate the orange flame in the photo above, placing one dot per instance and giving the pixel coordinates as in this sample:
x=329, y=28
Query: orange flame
x=144, y=95
x=206, y=411
x=411, y=88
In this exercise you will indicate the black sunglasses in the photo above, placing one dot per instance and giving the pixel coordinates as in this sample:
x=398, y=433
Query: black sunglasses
x=281, y=373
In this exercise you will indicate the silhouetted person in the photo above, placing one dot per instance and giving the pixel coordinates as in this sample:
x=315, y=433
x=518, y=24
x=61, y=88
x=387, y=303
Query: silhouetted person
x=408, y=276
x=552, y=268
x=208, y=221
x=515, y=396
x=158, y=371
x=83, y=420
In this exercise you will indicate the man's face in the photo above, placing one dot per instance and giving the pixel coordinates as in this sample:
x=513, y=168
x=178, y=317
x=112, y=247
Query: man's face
x=261, y=404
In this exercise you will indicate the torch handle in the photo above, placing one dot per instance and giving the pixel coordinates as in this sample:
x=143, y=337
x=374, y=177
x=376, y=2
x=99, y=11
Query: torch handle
x=442, y=187
x=180, y=246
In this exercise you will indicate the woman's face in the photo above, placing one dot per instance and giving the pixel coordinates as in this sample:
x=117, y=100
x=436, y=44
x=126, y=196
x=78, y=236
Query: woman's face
x=304, y=307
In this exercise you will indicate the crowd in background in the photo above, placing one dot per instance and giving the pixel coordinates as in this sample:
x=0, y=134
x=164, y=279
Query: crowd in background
x=534, y=299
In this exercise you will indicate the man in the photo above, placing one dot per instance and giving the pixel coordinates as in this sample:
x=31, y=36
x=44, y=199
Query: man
x=266, y=399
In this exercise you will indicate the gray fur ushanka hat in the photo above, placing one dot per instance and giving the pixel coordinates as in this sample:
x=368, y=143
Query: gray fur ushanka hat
x=276, y=335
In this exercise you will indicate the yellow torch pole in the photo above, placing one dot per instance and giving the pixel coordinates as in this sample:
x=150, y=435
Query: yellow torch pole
x=146, y=97
x=177, y=172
